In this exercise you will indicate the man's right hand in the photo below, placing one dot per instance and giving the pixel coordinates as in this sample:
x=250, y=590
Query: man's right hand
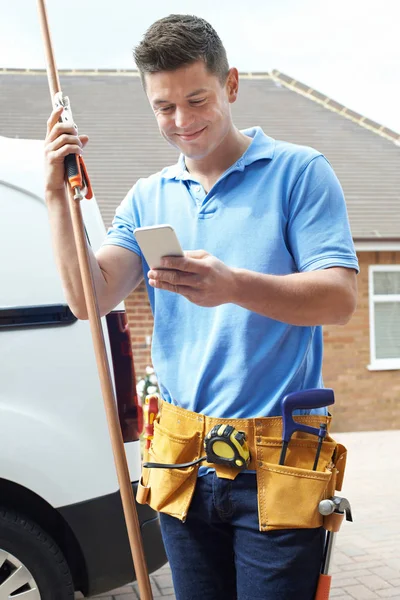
x=61, y=139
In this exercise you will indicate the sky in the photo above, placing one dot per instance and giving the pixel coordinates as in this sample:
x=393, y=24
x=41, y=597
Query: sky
x=346, y=49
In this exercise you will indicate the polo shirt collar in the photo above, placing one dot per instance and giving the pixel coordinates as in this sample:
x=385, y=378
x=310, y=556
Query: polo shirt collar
x=262, y=147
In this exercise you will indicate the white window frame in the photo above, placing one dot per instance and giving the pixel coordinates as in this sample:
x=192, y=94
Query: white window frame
x=380, y=364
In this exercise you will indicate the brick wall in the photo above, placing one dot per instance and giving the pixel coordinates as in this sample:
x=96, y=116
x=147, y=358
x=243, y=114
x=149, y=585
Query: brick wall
x=141, y=326
x=365, y=400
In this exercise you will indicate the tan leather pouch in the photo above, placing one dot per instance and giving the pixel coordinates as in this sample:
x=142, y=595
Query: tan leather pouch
x=170, y=490
x=289, y=494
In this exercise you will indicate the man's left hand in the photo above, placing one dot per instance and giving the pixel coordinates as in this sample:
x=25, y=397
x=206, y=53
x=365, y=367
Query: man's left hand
x=200, y=277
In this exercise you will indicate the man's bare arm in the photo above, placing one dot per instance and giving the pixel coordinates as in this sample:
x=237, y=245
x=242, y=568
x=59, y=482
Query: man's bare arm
x=116, y=271
x=320, y=297
x=122, y=272
x=324, y=297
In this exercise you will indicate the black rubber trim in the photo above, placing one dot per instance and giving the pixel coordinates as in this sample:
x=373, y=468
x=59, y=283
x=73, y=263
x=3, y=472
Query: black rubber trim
x=36, y=316
x=99, y=527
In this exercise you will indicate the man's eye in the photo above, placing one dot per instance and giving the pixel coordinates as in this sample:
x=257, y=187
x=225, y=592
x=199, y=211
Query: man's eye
x=197, y=101
x=164, y=109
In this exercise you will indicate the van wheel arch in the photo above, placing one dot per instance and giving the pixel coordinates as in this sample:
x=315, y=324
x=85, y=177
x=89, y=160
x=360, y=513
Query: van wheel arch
x=33, y=506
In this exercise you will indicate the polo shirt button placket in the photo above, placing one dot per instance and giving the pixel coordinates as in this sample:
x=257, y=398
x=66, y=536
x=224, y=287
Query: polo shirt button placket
x=199, y=196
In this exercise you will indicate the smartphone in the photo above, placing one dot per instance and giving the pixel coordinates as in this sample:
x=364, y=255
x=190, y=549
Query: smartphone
x=157, y=241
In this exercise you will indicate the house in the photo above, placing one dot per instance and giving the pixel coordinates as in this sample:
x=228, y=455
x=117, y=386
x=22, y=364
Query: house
x=362, y=359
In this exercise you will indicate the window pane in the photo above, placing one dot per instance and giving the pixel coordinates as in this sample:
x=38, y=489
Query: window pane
x=28, y=269
x=387, y=329
x=387, y=282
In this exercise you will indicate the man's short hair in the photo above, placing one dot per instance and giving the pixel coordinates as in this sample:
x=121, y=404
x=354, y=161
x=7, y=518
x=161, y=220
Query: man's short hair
x=179, y=40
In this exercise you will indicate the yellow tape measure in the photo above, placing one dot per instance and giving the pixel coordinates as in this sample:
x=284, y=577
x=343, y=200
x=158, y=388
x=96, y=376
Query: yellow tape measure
x=226, y=445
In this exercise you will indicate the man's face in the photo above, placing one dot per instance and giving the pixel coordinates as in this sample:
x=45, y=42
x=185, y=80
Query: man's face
x=192, y=107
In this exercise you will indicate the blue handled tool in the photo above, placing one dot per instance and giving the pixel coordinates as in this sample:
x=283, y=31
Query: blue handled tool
x=306, y=399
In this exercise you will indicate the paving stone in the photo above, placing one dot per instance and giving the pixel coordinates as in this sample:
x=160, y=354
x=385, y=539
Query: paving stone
x=167, y=591
x=367, y=564
x=360, y=592
x=339, y=557
x=390, y=593
x=128, y=589
x=164, y=580
x=351, y=550
x=386, y=572
x=352, y=573
x=341, y=583
x=373, y=582
x=338, y=594
x=156, y=594
x=371, y=556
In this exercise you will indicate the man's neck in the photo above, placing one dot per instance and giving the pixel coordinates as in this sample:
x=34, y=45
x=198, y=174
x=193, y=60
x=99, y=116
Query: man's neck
x=213, y=166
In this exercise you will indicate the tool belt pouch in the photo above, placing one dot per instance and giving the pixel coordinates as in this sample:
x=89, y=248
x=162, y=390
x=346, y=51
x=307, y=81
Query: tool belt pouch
x=289, y=494
x=170, y=490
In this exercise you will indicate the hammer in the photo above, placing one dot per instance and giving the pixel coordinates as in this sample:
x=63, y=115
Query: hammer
x=334, y=509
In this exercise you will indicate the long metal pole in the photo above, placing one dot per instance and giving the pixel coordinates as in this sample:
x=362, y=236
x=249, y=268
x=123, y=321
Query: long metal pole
x=128, y=501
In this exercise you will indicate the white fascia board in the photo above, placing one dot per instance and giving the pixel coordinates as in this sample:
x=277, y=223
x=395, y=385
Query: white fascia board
x=378, y=246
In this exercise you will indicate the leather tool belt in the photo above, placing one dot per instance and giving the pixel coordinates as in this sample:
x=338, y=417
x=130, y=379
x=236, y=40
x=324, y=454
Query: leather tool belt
x=288, y=495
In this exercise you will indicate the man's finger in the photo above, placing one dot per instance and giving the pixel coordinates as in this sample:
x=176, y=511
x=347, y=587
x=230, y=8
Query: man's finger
x=84, y=139
x=183, y=263
x=53, y=119
x=184, y=290
x=60, y=129
x=196, y=254
x=174, y=277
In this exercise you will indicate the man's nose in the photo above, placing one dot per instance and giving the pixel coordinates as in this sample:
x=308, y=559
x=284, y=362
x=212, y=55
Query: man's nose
x=183, y=117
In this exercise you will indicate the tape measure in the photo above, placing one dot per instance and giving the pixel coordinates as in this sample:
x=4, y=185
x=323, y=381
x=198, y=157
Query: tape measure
x=224, y=445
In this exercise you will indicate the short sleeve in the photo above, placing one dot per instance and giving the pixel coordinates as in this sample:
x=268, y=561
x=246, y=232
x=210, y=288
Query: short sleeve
x=121, y=231
x=319, y=233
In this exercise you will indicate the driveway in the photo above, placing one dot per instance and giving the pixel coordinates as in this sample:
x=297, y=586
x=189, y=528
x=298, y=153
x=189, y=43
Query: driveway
x=367, y=556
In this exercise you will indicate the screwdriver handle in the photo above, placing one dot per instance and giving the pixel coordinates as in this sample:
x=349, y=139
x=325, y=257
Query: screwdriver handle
x=75, y=167
x=306, y=399
x=150, y=411
x=73, y=171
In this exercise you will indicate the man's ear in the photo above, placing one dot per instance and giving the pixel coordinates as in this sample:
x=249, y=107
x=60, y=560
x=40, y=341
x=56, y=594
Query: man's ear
x=232, y=84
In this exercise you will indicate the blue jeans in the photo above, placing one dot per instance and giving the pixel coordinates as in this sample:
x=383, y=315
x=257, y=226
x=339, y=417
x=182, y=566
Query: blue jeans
x=220, y=554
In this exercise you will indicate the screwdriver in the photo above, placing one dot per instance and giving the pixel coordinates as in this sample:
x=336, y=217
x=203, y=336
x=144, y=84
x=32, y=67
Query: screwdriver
x=75, y=167
x=150, y=411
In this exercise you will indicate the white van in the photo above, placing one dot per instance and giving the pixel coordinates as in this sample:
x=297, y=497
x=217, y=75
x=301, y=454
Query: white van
x=62, y=527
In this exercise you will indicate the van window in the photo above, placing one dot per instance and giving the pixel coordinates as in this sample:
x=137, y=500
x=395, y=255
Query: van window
x=28, y=275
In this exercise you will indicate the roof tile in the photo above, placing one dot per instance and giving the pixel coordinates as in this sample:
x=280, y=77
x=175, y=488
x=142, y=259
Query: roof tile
x=125, y=143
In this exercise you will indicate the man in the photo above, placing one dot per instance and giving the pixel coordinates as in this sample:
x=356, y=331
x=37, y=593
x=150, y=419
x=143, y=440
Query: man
x=269, y=259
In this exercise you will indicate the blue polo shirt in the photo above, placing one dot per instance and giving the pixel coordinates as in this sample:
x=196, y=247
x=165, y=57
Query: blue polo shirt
x=279, y=209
